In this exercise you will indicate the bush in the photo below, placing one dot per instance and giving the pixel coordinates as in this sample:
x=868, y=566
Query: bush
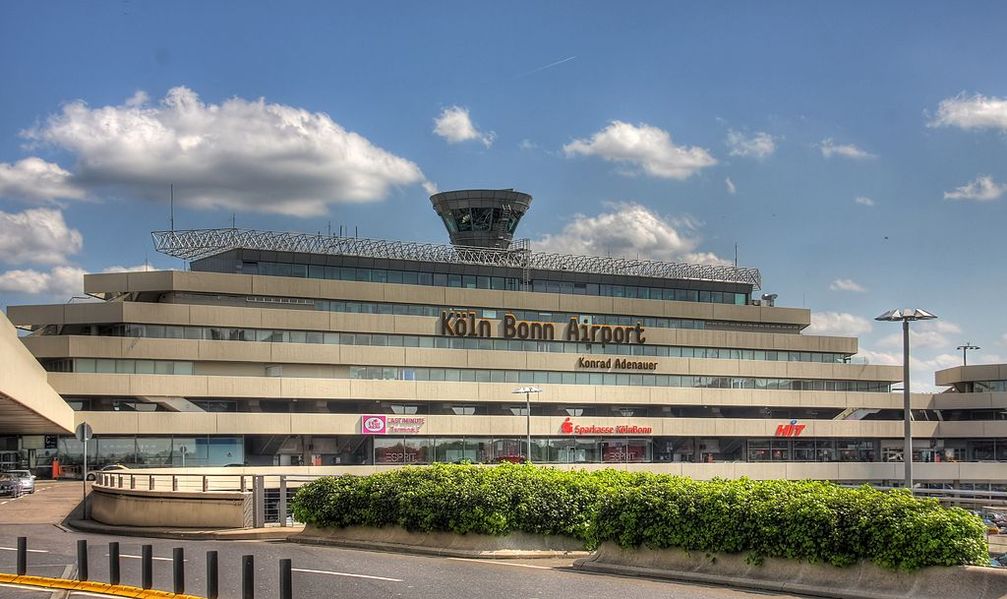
x=807, y=520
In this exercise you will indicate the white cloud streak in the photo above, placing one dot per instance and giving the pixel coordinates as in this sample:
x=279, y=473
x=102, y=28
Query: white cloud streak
x=35, y=180
x=864, y=201
x=982, y=189
x=839, y=324
x=731, y=189
x=847, y=285
x=629, y=229
x=37, y=236
x=237, y=155
x=454, y=124
x=829, y=149
x=971, y=112
x=648, y=149
x=759, y=145
x=59, y=282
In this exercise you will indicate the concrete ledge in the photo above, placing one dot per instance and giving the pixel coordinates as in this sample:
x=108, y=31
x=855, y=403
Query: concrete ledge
x=394, y=539
x=861, y=581
x=272, y=533
x=134, y=507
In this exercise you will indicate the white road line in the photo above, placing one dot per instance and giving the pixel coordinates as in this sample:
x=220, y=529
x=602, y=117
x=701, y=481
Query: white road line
x=346, y=574
x=157, y=559
x=497, y=562
x=29, y=551
x=87, y=594
x=14, y=586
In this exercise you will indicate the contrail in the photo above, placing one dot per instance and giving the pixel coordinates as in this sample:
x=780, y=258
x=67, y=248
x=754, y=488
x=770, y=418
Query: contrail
x=548, y=66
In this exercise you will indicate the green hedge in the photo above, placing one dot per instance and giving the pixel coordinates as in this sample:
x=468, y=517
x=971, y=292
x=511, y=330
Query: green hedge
x=807, y=520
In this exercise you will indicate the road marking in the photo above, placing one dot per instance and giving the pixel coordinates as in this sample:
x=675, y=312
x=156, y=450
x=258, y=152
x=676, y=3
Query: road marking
x=497, y=562
x=14, y=586
x=346, y=574
x=29, y=551
x=87, y=594
x=158, y=559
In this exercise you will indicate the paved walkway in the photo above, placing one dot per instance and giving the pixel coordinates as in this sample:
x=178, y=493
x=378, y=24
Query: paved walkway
x=50, y=504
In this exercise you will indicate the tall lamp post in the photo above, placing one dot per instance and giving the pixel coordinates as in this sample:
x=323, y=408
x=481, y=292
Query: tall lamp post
x=527, y=415
x=965, y=348
x=906, y=315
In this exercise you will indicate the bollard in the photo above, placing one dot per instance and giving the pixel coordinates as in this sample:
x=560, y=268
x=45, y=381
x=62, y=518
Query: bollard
x=81, y=559
x=178, y=567
x=247, y=577
x=22, y=556
x=286, y=588
x=146, y=566
x=212, y=590
x=113, y=563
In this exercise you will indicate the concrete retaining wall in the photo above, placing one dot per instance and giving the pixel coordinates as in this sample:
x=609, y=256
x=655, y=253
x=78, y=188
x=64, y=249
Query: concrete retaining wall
x=514, y=545
x=127, y=507
x=861, y=581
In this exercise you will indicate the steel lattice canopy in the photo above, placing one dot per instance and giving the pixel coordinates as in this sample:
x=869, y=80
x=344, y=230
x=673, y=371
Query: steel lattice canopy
x=906, y=314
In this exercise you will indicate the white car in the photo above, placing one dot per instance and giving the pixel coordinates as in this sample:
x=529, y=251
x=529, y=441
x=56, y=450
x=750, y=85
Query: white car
x=27, y=480
x=109, y=468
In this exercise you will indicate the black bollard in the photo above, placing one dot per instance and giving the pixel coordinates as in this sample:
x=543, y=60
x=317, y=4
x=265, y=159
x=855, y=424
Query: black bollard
x=22, y=556
x=212, y=589
x=178, y=565
x=113, y=562
x=81, y=559
x=247, y=577
x=146, y=566
x=286, y=588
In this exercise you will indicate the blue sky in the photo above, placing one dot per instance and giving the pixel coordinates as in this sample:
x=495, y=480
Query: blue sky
x=670, y=130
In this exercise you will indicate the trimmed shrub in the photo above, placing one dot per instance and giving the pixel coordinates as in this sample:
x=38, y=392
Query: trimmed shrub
x=806, y=520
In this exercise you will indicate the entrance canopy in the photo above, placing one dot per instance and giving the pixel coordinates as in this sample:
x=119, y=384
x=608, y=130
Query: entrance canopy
x=28, y=405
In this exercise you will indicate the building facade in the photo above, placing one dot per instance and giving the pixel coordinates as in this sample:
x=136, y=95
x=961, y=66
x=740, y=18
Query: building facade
x=291, y=350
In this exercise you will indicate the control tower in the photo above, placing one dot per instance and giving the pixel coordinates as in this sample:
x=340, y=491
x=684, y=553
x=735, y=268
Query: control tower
x=483, y=218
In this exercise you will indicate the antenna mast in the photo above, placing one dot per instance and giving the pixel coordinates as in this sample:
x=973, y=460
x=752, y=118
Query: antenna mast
x=172, y=206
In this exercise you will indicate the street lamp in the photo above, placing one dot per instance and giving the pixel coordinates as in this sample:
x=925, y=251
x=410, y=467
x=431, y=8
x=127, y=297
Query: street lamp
x=906, y=315
x=527, y=414
x=965, y=348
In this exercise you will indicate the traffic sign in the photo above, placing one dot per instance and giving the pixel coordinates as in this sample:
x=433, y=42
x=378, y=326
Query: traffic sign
x=83, y=432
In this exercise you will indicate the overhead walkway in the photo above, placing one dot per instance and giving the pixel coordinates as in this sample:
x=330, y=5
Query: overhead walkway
x=28, y=405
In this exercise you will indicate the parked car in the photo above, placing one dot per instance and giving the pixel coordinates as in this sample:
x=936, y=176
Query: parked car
x=10, y=485
x=109, y=468
x=27, y=479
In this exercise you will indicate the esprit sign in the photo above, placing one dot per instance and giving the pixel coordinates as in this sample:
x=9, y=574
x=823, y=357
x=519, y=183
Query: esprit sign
x=380, y=424
x=456, y=323
x=569, y=428
x=790, y=430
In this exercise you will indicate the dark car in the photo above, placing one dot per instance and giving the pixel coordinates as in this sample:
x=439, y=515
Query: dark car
x=10, y=485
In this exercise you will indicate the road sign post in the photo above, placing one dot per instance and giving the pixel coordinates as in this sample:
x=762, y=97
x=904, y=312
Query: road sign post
x=84, y=434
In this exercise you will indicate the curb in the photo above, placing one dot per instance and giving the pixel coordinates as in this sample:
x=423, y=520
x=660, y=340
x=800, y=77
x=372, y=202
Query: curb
x=91, y=587
x=438, y=551
x=277, y=533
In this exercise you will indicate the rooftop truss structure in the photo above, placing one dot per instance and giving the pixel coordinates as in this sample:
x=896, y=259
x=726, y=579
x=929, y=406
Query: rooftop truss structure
x=194, y=244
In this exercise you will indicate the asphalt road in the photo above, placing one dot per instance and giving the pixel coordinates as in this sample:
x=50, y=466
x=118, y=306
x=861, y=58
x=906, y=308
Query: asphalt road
x=318, y=571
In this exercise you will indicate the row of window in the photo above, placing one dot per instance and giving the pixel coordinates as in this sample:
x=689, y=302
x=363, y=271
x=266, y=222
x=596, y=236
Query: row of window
x=606, y=378
x=472, y=343
x=410, y=277
x=111, y=366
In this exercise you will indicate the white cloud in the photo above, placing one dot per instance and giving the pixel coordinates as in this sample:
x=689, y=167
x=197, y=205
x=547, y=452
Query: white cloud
x=846, y=285
x=927, y=334
x=60, y=281
x=864, y=201
x=647, y=148
x=239, y=154
x=829, y=149
x=35, y=179
x=731, y=189
x=983, y=188
x=629, y=229
x=971, y=112
x=759, y=145
x=527, y=144
x=839, y=324
x=37, y=236
x=455, y=125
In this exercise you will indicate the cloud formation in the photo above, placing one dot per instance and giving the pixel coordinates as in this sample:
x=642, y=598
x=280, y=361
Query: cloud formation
x=455, y=125
x=239, y=154
x=37, y=236
x=839, y=324
x=971, y=112
x=829, y=148
x=927, y=334
x=60, y=281
x=759, y=145
x=983, y=189
x=731, y=189
x=864, y=201
x=36, y=180
x=629, y=229
x=647, y=149
x=846, y=285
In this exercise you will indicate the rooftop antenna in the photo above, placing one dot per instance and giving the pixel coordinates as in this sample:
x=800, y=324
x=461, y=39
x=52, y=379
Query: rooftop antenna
x=330, y=228
x=234, y=219
x=735, y=255
x=356, y=232
x=171, y=209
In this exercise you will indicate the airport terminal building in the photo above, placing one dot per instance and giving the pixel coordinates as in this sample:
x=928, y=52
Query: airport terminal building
x=333, y=351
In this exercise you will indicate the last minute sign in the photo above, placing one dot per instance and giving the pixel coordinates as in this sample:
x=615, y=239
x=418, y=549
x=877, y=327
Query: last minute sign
x=456, y=323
